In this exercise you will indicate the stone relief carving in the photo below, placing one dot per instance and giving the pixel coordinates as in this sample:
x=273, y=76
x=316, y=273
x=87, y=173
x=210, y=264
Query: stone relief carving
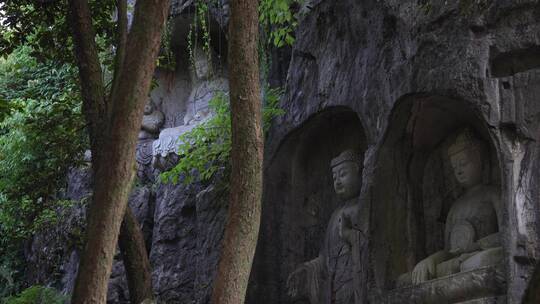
x=165, y=148
x=335, y=276
x=152, y=120
x=472, y=229
x=205, y=86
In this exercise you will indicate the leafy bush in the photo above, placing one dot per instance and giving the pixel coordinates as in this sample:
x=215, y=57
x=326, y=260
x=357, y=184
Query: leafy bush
x=278, y=20
x=207, y=147
x=37, y=295
x=42, y=136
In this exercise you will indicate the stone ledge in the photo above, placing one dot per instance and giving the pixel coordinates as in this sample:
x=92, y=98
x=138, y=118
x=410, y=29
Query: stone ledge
x=468, y=287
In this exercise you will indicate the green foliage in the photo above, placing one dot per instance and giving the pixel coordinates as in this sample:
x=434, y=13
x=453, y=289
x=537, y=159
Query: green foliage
x=41, y=138
x=43, y=25
x=206, y=148
x=278, y=20
x=276, y=17
x=166, y=58
x=37, y=295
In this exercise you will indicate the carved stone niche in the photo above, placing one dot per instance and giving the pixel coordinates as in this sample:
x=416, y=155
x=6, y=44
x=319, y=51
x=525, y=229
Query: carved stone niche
x=299, y=199
x=437, y=220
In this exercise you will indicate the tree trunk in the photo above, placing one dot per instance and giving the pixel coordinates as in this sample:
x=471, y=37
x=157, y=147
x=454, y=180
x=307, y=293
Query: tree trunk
x=131, y=239
x=115, y=161
x=135, y=257
x=242, y=228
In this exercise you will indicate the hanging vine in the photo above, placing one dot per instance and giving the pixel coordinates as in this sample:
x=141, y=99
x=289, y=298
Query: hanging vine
x=199, y=32
x=167, y=58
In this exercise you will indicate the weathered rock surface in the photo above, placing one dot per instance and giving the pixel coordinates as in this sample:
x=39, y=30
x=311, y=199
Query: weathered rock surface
x=412, y=74
x=188, y=228
x=393, y=79
x=52, y=257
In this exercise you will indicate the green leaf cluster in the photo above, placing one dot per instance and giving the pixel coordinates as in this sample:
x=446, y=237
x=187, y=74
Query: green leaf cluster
x=44, y=26
x=41, y=137
x=279, y=21
x=206, y=149
x=37, y=295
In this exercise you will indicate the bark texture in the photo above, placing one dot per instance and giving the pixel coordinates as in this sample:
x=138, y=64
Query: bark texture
x=242, y=228
x=114, y=126
x=131, y=239
x=93, y=91
x=136, y=262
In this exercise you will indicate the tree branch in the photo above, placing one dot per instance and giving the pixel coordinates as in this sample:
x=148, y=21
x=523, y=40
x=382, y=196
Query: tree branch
x=145, y=30
x=92, y=88
x=135, y=257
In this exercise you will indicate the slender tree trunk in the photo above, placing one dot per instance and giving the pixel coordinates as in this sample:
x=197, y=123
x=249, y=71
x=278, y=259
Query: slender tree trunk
x=242, y=228
x=131, y=239
x=135, y=257
x=114, y=152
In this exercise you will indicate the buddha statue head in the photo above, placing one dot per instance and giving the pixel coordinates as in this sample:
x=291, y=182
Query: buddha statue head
x=201, y=64
x=465, y=155
x=346, y=173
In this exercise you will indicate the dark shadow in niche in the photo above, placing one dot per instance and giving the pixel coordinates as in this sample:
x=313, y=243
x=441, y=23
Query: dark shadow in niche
x=516, y=61
x=299, y=199
x=414, y=186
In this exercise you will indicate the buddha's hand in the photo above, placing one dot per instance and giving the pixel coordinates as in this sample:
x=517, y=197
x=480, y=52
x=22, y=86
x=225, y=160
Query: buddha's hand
x=423, y=271
x=296, y=282
x=345, y=229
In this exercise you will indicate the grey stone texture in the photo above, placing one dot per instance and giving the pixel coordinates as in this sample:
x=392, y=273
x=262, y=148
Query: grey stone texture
x=412, y=75
x=52, y=256
x=394, y=79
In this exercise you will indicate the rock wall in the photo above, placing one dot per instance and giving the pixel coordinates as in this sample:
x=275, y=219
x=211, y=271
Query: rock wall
x=413, y=74
x=393, y=79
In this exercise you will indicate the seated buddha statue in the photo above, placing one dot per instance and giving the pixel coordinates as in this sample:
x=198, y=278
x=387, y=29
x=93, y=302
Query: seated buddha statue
x=472, y=229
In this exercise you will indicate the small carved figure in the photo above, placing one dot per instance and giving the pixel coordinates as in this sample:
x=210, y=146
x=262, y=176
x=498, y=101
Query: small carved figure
x=152, y=120
x=472, y=238
x=335, y=276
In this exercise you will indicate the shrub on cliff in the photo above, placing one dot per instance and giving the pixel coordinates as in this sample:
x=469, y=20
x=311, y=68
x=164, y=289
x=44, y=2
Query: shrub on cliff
x=206, y=148
x=42, y=134
x=37, y=295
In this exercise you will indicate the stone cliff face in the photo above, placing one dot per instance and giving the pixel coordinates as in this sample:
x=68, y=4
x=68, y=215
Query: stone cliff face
x=392, y=79
x=413, y=75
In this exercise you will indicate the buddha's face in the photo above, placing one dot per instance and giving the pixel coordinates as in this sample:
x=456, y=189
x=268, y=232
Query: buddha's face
x=467, y=166
x=201, y=67
x=346, y=180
